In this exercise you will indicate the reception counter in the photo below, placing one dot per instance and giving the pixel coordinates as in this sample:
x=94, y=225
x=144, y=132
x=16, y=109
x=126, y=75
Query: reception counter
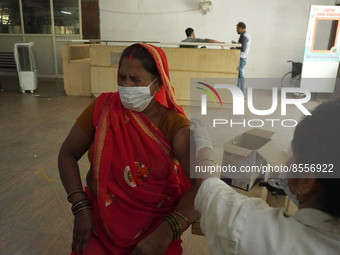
x=76, y=69
x=90, y=69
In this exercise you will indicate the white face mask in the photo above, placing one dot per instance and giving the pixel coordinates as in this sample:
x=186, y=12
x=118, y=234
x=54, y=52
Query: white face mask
x=136, y=98
x=284, y=184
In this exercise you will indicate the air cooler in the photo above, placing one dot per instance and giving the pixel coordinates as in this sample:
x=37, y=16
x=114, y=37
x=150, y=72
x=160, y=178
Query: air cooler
x=25, y=59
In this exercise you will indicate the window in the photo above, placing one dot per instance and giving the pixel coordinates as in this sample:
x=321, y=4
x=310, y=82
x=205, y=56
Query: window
x=37, y=16
x=66, y=16
x=10, y=17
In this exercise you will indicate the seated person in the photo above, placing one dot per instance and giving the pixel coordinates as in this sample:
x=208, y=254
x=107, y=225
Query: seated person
x=237, y=224
x=191, y=38
x=138, y=142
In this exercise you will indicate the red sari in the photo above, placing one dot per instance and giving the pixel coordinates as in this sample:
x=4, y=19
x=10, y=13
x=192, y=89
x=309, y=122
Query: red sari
x=139, y=181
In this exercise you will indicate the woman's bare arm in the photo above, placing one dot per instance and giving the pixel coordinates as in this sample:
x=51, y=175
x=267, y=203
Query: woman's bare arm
x=73, y=148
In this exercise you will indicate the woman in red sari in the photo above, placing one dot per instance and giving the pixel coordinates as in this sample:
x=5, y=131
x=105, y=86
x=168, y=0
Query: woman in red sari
x=138, y=145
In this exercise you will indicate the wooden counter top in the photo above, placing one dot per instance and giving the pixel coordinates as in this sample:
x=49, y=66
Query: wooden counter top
x=184, y=64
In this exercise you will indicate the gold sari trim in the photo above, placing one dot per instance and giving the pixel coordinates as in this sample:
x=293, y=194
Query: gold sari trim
x=151, y=134
x=101, y=138
x=166, y=78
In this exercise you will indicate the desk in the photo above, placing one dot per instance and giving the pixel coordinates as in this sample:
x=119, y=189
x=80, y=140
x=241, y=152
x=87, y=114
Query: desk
x=93, y=68
x=76, y=69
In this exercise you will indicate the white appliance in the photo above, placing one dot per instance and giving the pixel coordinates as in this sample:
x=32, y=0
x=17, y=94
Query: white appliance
x=25, y=59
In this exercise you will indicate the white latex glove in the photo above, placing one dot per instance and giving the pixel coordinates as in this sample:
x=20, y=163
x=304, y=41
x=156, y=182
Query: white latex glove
x=205, y=155
x=201, y=136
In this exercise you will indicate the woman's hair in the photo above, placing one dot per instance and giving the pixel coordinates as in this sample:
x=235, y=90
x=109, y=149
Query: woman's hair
x=136, y=51
x=317, y=141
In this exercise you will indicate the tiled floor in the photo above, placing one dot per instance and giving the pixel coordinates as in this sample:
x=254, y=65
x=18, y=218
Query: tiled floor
x=35, y=217
x=34, y=214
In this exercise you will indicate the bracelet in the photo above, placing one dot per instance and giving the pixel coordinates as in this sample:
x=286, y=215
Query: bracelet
x=74, y=192
x=176, y=227
x=81, y=205
x=183, y=217
x=80, y=202
x=82, y=208
x=206, y=159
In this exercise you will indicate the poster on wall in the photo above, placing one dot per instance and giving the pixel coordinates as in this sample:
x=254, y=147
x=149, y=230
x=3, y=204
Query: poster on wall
x=321, y=56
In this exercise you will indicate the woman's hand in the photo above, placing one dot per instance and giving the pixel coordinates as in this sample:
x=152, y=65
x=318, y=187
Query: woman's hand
x=155, y=243
x=83, y=226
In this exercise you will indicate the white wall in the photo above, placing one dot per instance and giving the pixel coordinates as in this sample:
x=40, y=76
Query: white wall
x=277, y=28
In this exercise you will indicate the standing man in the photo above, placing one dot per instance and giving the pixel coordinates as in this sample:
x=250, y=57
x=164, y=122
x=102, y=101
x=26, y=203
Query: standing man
x=245, y=41
x=191, y=38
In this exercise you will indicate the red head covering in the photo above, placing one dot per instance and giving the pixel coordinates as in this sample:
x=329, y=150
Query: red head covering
x=167, y=94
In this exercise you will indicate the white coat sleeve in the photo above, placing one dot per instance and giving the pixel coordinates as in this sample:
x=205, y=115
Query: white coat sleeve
x=224, y=215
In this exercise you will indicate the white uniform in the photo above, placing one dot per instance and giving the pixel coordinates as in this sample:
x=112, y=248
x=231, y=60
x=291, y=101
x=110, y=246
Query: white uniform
x=235, y=224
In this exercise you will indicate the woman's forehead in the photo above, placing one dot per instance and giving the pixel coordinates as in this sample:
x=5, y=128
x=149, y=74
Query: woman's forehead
x=132, y=67
x=131, y=64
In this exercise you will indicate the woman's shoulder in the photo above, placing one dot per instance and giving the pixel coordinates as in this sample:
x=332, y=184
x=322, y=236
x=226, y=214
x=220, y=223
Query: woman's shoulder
x=104, y=98
x=172, y=118
x=171, y=122
x=85, y=119
x=175, y=114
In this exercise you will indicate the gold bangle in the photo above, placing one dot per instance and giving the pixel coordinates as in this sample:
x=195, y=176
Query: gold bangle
x=183, y=217
x=74, y=192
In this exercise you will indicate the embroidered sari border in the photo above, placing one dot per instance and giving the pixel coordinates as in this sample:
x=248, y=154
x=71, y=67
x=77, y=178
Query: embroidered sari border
x=159, y=62
x=141, y=123
x=102, y=131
